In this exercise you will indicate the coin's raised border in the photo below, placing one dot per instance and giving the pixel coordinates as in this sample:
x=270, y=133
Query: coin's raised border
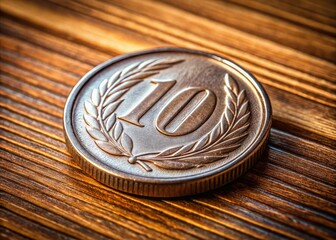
x=180, y=186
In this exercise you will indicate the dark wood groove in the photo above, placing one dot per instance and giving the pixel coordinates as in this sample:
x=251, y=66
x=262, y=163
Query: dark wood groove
x=65, y=79
x=52, y=144
x=132, y=9
x=85, y=11
x=311, y=6
x=320, y=189
x=251, y=181
x=22, y=111
x=265, y=66
x=17, y=205
x=267, y=211
x=34, y=80
x=32, y=126
x=228, y=230
x=204, y=212
x=296, y=195
x=103, y=205
x=281, y=158
x=30, y=230
x=38, y=37
x=16, y=96
x=23, y=190
x=273, y=226
x=291, y=129
x=120, y=193
x=289, y=17
x=303, y=147
x=63, y=197
x=275, y=202
x=303, y=92
x=90, y=50
x=6, y=233
x=213, y=10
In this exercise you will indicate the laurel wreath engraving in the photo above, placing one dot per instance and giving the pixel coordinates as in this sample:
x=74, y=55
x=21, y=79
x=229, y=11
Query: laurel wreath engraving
x=103, y=125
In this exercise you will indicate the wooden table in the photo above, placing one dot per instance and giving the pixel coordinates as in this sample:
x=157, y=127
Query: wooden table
x=46, y=46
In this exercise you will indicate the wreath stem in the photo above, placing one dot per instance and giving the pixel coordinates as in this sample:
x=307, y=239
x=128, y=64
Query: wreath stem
x=144, y=166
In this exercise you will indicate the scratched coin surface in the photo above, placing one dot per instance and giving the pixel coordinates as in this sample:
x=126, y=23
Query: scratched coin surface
x=167, y=122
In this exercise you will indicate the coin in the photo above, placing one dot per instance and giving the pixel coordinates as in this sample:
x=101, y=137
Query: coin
x=167, y=122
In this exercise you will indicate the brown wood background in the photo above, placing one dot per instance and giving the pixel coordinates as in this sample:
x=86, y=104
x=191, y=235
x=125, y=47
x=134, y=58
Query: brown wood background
x=46, y=46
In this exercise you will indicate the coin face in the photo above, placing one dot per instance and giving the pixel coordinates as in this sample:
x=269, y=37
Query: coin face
x=167, y=122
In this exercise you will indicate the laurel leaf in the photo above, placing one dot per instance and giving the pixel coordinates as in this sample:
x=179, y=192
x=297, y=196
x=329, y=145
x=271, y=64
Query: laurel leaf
x=230, y=96
x=144, y=64
x=108, y=148
x=215, y=133
x=241, y=98
x=128, y=69
x=90, y=109
x=115, y=76
x=111, y=108
x=225, y=148
x=91, y=121
x=117, y=130
x=113, y=97
x=158, y=67
x=164, y=65
x=103, y=87
x=229, y=104
x=231, y=84
x=215, y=155
x=95, y=97
x=184, y=149
x=127, y=143
x=168, y=62
x=141, y=75
x=169, y=151
x=241, y=121
x=243, y=109
x=202, y=159
x=232, y=140
x=239, y=131
x=223, y=122
x=127, y=84
x=228, y=115
x=110, y=122
x=173, y=165
x=96, y=133
x=200, y=143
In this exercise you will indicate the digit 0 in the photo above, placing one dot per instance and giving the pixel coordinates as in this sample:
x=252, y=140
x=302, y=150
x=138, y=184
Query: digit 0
x=186, y=112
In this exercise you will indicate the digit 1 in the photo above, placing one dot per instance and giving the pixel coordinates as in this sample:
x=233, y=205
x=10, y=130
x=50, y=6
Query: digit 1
x=147, y=102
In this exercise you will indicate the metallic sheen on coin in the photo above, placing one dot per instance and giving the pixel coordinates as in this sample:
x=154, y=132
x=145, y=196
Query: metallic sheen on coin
x=167, y=122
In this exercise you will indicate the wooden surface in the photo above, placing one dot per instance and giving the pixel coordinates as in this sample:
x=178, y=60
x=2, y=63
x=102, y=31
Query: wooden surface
x=46, y=46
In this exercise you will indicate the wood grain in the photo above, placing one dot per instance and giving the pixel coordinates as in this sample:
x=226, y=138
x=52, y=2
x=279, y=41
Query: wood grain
x=46, y=46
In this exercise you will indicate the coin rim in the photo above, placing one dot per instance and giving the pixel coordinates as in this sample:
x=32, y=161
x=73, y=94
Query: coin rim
x=97, y=170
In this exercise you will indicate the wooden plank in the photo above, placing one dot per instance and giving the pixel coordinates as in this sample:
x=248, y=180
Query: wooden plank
x=46, y=46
